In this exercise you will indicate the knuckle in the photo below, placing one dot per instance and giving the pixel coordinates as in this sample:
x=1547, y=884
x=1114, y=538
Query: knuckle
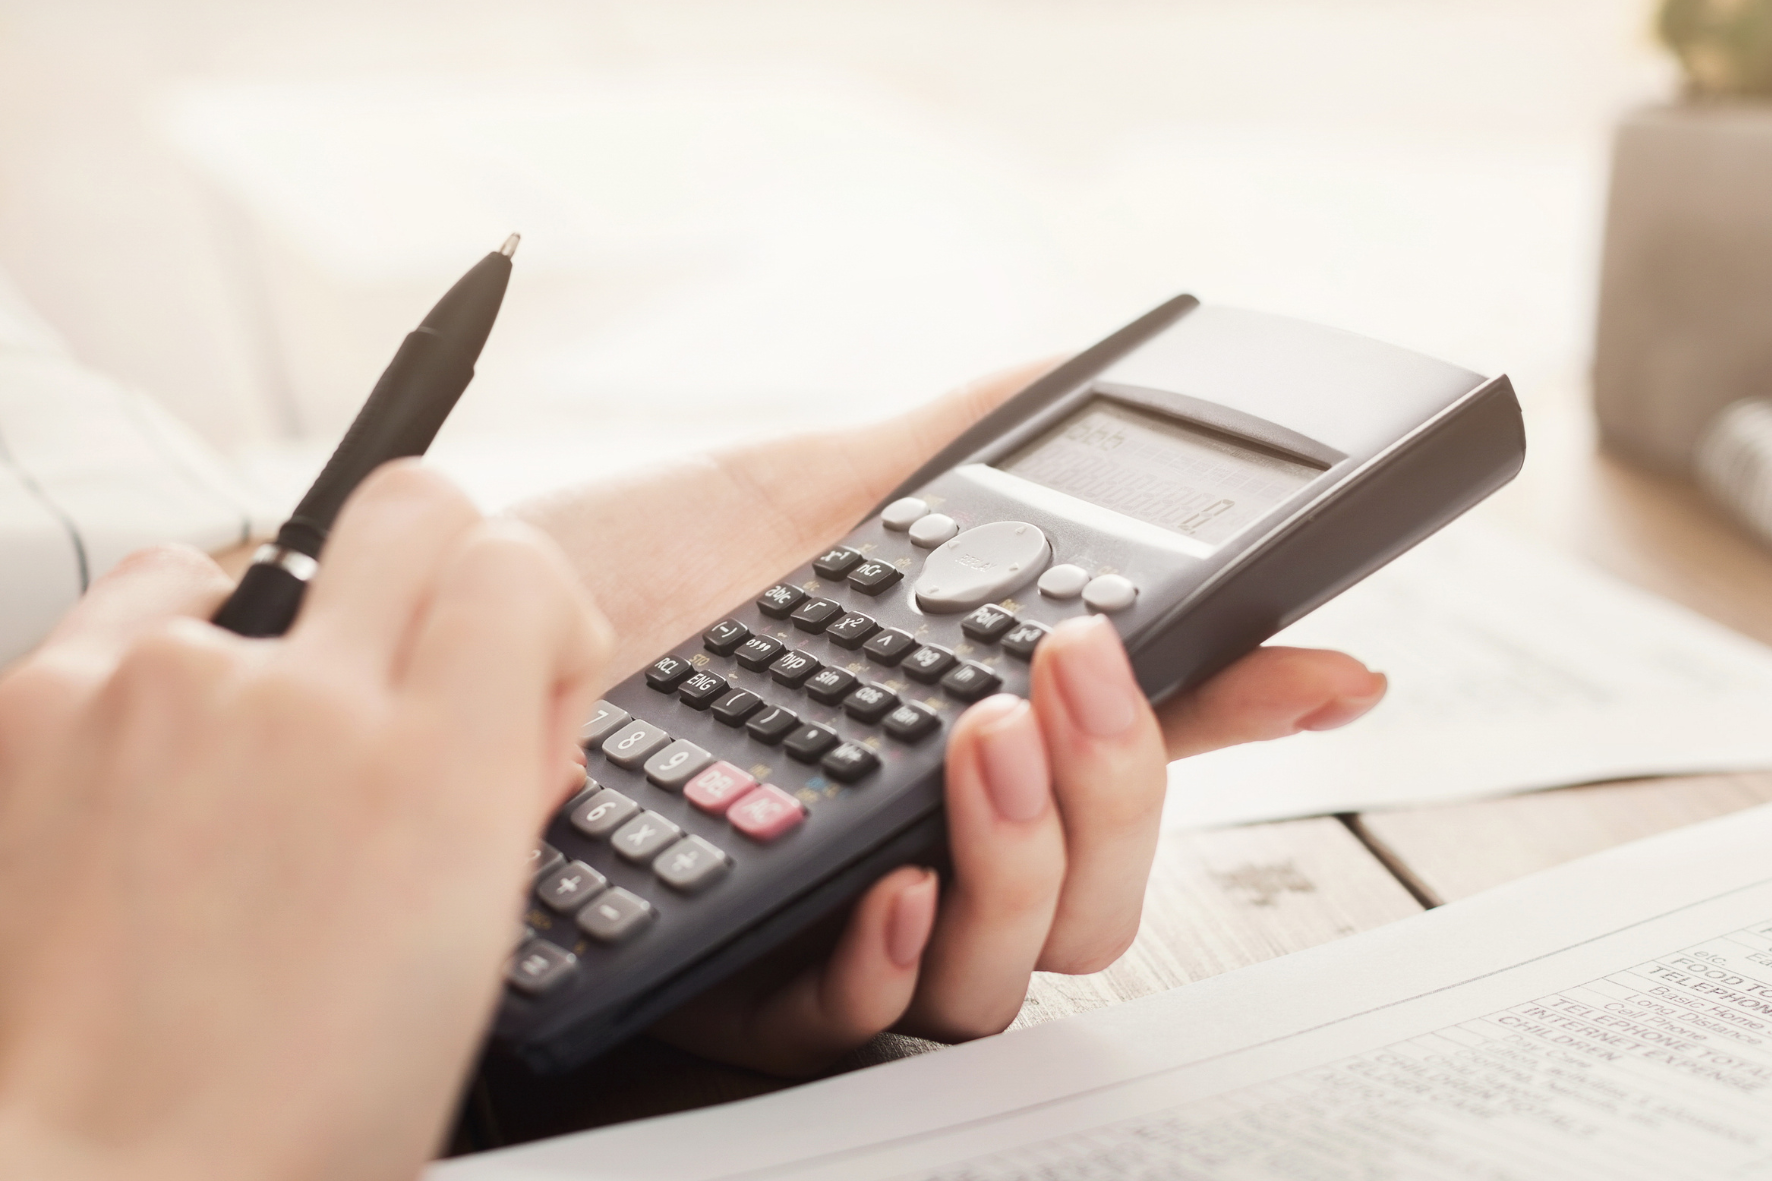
x=166, y=557
x=36, y=691
x=169, y=653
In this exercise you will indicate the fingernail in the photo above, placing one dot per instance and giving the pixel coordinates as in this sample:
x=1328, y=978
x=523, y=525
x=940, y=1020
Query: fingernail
x=913, y=917
x=1095, y=677
x=1013, y=762
x=1343, y=710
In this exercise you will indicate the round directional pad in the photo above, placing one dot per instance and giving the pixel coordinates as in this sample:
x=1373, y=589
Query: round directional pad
x=980, y=565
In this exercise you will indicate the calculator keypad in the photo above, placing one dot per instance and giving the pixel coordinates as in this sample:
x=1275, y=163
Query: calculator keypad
x=760, y=685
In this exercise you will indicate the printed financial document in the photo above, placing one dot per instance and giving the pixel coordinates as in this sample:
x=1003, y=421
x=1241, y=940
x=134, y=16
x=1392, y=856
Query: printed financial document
x=1607, y=1019
x=1512, y=668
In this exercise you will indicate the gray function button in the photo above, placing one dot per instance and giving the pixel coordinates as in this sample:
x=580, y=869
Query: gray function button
x=1064, y=582
x=605, y=720
x=676, y=764
x=570, y=887
x=538, y=966
x=903, y=513
x=603, y=813
x=641, y=838
x=1110, y=592
x=615, y=915
x=980, y=565
x=634, y=743
x=934, y=529
x=691, y=864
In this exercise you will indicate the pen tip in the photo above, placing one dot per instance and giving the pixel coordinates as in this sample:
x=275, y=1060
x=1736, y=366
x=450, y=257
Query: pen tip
x=510, y=246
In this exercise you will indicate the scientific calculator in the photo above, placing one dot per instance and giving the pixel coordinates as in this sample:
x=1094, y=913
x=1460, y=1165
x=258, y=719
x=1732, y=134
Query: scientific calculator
x=1203, y=478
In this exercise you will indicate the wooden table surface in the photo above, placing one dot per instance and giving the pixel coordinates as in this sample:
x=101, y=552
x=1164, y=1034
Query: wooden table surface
x=1226, y=898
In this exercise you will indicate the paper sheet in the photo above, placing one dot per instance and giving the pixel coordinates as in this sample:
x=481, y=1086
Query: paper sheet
x=89, y=471
x=1511, y=668
x=1610, y=1018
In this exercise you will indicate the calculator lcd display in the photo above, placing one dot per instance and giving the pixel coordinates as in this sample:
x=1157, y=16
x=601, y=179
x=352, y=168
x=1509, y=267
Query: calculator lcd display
x=1197, y=482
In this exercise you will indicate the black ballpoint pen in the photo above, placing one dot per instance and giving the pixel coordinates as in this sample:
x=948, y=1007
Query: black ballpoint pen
x=403, y=414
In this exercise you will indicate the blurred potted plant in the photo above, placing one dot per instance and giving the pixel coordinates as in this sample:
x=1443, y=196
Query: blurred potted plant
x=1685, y=317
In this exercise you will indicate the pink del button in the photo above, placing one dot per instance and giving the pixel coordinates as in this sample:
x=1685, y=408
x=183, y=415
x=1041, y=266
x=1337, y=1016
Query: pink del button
x=766, y=813
x=718, y=788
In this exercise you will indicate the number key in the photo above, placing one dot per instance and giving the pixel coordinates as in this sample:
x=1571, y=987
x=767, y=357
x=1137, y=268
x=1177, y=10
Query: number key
x=673, y=766
x=605, y=720
x=634, y=743
x=603, y=813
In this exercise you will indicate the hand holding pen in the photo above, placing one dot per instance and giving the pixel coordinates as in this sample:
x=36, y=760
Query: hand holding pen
x=403, y=414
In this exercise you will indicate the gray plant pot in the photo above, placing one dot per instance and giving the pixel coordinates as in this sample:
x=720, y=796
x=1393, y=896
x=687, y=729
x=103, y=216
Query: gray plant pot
x=1685, y=318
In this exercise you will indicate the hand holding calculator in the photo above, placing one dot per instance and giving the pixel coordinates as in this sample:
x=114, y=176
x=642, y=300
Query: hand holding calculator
x=1199, y=479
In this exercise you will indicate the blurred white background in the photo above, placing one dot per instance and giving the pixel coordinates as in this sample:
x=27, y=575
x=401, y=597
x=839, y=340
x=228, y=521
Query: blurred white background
x=744, y=216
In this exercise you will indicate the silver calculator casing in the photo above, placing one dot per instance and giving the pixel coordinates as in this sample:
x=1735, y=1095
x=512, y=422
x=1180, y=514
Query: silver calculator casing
x=1406, y=444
